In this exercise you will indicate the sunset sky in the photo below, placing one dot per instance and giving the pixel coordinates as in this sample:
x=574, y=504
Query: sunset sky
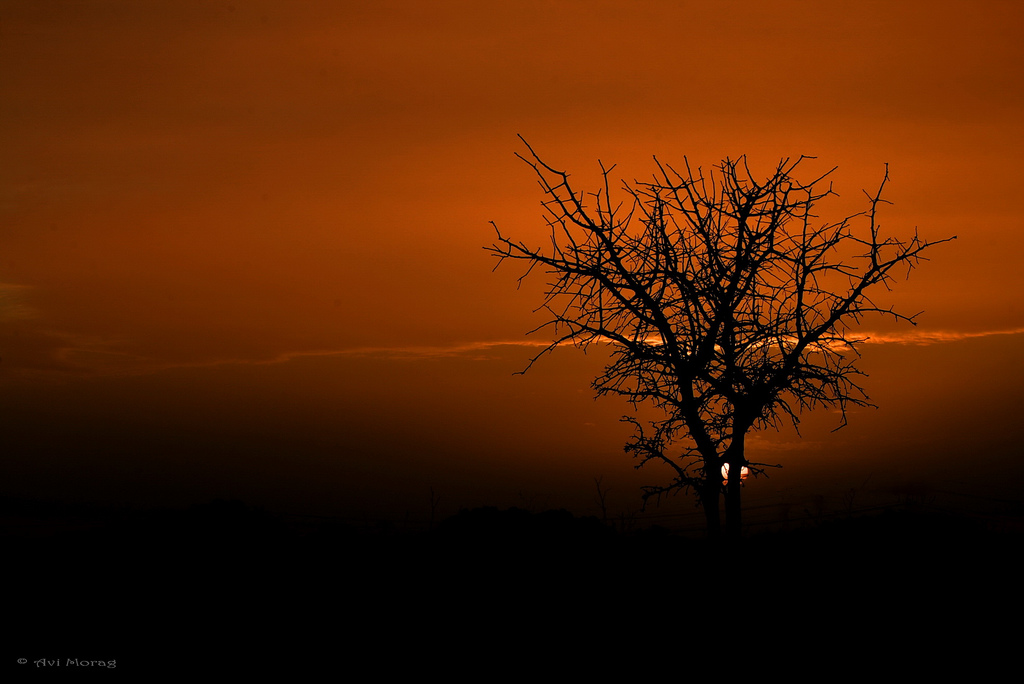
x=241, y=242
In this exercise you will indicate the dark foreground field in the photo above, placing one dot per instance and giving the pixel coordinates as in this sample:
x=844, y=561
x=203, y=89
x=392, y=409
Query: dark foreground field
x=228, y=588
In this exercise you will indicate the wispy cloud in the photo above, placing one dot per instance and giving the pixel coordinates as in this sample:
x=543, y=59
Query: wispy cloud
x=78, y=355
x=384, y=352
x=929, y=337
x=468, y=348
x=84, y=356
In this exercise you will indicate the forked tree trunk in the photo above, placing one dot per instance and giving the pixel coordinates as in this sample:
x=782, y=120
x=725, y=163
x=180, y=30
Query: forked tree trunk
x=733, y=503
x=734, y=488
x=709, y=498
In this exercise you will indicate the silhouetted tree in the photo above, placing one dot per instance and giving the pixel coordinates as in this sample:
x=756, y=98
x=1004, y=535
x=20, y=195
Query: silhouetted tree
x=727, y=304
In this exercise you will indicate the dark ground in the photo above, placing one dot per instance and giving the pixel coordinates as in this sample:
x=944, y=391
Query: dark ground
x=224, y=587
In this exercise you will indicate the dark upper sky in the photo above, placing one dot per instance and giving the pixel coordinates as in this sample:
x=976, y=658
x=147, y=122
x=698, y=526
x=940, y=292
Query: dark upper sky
x=240, y=242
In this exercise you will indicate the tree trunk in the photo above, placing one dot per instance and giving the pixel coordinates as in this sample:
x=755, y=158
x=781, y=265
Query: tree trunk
x=734, y=488
x=709, y=498
x=733, y=507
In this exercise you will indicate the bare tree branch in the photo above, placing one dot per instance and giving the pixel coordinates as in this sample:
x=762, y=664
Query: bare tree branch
x=728, y=304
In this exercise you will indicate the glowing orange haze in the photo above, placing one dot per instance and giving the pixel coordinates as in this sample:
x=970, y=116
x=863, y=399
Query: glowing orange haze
x=240, y=245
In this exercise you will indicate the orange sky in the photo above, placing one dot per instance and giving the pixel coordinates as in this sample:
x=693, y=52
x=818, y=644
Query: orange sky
x=240, y=242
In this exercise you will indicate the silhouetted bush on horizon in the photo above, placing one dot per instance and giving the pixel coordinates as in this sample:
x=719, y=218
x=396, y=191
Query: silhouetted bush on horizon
x=233, y=524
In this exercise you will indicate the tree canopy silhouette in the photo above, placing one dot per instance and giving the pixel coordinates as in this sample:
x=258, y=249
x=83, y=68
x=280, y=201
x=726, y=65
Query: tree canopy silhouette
x=727, y=303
